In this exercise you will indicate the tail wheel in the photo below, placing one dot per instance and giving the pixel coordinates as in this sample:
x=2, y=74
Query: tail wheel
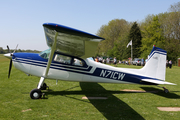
x=166, y=90
x=36, y=94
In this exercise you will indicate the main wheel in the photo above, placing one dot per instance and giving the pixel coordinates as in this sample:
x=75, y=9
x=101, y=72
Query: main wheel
x=35, y=94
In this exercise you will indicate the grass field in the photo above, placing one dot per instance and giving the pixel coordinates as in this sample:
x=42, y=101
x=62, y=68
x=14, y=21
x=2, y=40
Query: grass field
x=64, y=100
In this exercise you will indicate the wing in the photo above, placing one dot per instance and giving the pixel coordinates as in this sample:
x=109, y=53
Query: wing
x=71, y=41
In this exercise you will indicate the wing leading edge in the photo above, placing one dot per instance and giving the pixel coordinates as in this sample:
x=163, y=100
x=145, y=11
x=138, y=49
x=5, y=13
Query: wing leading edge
x=71, y=41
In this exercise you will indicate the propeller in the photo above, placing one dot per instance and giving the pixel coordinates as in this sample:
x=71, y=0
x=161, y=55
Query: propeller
x=10, y=64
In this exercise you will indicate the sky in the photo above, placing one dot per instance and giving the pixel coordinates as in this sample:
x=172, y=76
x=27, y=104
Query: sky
x=21, y=20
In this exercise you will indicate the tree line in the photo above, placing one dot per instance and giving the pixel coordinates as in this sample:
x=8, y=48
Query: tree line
x=162, y=30
x=4, y=51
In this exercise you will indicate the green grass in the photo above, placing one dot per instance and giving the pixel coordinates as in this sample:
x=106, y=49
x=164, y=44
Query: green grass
x=64, y=100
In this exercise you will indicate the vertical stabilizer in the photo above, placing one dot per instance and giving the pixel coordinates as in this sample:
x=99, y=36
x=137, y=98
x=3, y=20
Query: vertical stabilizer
x=156, y=64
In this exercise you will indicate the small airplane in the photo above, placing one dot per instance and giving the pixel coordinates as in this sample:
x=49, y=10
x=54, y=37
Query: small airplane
x=68, y=59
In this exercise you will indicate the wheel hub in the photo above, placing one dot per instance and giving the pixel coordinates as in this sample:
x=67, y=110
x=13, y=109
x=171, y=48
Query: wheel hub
x=35, y=94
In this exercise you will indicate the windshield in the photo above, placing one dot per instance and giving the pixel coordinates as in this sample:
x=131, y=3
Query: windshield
x=45, y=54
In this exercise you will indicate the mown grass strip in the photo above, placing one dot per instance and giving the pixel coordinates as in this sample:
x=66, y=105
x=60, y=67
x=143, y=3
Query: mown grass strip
x=64, y=100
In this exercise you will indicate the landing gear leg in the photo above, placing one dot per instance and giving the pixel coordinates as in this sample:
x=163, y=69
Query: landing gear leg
x=36, y=93
x=41, y=83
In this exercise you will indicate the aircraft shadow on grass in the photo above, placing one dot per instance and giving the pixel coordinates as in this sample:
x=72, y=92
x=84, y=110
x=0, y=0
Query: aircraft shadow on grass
x=111, y=108
x=170, y=95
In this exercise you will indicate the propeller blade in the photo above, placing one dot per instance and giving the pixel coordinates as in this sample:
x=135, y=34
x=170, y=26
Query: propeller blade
x=15, y=49
x=8, y=49
x=10, y=66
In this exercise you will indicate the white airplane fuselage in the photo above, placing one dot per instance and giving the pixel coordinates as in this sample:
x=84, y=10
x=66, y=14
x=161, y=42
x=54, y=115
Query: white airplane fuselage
x=91, y=71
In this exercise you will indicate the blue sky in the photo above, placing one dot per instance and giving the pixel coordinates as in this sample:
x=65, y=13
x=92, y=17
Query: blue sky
x=21, y=20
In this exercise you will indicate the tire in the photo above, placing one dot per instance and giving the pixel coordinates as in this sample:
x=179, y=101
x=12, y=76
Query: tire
x=35, y=94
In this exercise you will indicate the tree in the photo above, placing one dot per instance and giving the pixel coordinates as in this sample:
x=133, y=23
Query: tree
x=119, y=50
x=113, y=33
x=1, y=50
x=152, y=35
x=173, y=32
x=135, y=36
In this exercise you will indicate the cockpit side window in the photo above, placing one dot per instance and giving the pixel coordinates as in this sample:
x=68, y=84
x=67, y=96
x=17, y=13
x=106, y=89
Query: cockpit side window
x=65, y=59
x=62, y=59
x=45, y=54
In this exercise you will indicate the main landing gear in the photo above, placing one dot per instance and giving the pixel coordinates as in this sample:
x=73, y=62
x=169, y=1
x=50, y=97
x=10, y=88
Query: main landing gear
x=36, y=93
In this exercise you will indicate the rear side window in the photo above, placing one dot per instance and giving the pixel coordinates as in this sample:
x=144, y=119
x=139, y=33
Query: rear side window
x=78, y=62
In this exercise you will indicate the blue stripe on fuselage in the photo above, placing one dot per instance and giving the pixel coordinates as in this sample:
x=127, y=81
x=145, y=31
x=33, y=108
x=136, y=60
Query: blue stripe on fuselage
x=120, y=76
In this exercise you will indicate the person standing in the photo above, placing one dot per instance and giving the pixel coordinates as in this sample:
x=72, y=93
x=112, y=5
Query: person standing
x=115, y=61
x=142, y=62
x=107, y=60
x=97, y=59
x=167, y=63
x=170, y=64
x=100, y=59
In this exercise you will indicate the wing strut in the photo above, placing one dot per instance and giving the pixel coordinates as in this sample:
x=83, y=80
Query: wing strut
x=53, y=48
